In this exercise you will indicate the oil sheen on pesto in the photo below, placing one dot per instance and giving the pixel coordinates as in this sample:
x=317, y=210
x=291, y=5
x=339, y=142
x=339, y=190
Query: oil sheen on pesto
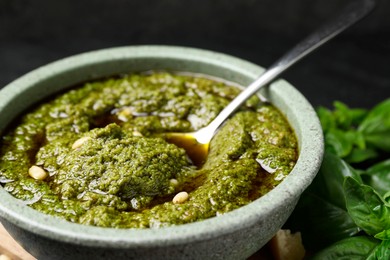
x=124, y=174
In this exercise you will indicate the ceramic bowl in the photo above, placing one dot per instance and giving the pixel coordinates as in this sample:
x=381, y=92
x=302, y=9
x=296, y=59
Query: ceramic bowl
x=235, y=235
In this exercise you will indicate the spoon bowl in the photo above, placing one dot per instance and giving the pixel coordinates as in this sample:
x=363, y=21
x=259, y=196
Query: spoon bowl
x=196, y=150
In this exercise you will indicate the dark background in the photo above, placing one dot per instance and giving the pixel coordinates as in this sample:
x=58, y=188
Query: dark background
x=353, y=68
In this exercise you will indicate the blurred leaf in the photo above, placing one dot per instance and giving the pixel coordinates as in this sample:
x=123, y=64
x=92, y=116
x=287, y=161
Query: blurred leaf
x=386, y=197
x=329, y=181
x=366, y=207
x=379, y=177
x=360, y=247
x=338, y=205
x=384, y=235
x=338, y=142
x=382, y=251
x=324, y=202
x=358, y=155
x=346, y=117
x=376, y=126
x=347, y=144
x=320, y=222
x=380, y=140
x=326, y=118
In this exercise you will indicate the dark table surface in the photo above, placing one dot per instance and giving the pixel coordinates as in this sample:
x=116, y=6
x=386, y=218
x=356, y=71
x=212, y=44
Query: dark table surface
x=354, y=67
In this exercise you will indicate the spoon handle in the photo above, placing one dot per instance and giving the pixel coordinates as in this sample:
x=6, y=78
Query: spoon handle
x=351, y=14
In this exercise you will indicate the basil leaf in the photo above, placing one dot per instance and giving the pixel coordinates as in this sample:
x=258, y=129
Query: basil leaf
x=345, y=143
x=379, y=177
x=322, y=209
x=384, y=235
x=326, y=118
x=360, y=247
x=376, y=126
x=346, y=117
x=338, y=204
x=342, y=117
x=379, y=140
x=339, y=142
x=381, y=252
x=328, y=183
x=386, y=197
x=314, y=216
x=358, y=155
x=366, y=207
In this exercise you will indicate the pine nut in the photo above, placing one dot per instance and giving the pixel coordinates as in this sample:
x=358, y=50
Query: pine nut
x=174, y=182
x=136, y=133
x=37, y=172
x=180, y=197
x=79, y=142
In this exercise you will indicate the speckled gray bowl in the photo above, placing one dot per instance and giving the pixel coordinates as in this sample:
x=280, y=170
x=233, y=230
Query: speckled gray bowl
x=235, y=235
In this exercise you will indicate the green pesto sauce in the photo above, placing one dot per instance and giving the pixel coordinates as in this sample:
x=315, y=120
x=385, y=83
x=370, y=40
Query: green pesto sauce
x=124, y=174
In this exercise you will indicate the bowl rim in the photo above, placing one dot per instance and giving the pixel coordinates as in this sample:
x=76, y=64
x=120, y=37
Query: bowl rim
x=311, y=152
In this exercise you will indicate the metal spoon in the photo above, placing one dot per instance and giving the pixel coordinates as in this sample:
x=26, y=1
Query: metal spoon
x=197, y=143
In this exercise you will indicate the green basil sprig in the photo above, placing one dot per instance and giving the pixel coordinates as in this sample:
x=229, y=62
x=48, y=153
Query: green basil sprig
x=345, y=212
